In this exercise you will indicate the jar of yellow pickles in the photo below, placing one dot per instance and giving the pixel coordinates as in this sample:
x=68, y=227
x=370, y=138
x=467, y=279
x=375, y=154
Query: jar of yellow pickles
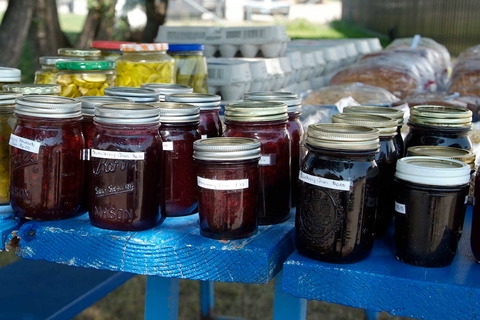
x=110, y=49
x=9, y=76
x=85, y=78
x=87, y=54
x=144, y=63
x=190, y=66
x=48, y=72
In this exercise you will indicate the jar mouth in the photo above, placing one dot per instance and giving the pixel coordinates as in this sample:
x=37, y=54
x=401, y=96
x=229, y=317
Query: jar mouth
x=204, y=101
x=342, y=136
x=226, y=149
x=48, y=106
x=127, y=113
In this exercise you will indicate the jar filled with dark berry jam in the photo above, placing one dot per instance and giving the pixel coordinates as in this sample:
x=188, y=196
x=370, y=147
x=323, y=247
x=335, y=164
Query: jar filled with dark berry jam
x=46, y=167
x=167, y=88
x=210, y=125
x=227, y=179
x=338, y=190
x=439, y=126
x=385, y=112
x=266, y=121
x=137, y=95
x=430, y=203
x=294, y=127
x=178, y=129
x=386, y=160
x=124, y=165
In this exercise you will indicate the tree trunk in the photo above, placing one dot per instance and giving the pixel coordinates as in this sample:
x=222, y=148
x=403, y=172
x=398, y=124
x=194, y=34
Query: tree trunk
x=14, y=31
x=156, y=11
x=99, y=23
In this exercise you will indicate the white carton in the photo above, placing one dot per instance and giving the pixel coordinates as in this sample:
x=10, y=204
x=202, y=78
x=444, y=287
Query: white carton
x=308, y=69
x=362, y=46
x=274, y=68
x=296, y=64
x=190, y=34
x=287, y=69
x=258, y=70
x=319, y=63
x=229, y=79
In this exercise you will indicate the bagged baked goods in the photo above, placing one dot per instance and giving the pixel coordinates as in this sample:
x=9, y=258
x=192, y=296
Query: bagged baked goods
x=465, y=78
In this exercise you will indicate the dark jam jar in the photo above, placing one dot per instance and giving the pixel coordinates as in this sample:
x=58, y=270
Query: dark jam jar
x=137, y=95
x=439, y=126
x=165, y=89
x=386, y=160
x=385, y=112
x=227, y=178
x=124, y=165
x=178, y=129
x=46, y=168
x=210, y=125
x=430, y=199
x=294, y=127
x=475, y=236
x=266, y=122
x=338, y=190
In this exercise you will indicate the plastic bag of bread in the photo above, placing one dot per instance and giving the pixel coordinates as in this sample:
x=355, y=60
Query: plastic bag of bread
x=433, y=98
x=465, y=78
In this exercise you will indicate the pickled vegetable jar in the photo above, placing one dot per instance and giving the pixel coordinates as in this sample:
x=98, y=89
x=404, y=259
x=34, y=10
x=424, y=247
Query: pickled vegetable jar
x=85, y=54
x=167, y=88
x=138, y=95
x=227, y=179
x=9, y=76
x=124, y=166
x=48, y=71
x=110, y=50
x=85, y=78
x=144, y=63
x=190, y=66
x=28, y=89
x=46, y=177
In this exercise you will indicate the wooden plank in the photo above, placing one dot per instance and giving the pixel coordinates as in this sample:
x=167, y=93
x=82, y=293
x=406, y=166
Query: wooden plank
x=381, y=283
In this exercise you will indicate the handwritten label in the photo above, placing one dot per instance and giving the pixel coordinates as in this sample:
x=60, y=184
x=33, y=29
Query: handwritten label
x=24, y=144
x=222, y=184
x=400, y=208
x=342, y=185
x=167, y=146
x=94, y=153
x=267, y=159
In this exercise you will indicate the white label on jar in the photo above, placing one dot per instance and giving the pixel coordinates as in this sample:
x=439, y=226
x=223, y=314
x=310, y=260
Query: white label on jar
x=400, y=208
x=94, y=153
x=167, y=146
x=342, y=185
x=24, y=144
x=222, y=184
x=267, y=160
x=85, y=154
x=203, y=136
x=466, y=199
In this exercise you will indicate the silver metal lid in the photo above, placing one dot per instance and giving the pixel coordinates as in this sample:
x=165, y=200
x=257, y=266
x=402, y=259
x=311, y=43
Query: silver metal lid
x=226, y=149
x=204, y=101
x=28, y=89
x=293, y=102
x=387, y=127
x=342, y=136
x=171, y=112
x=48, y=107
x=8, y=98
x=256, y=111
x=269, y=94
x=441, y=116
x=136, y=94
x=379, y=111
x=51, y=60
x=90, y=102
x=167, y=88
x=127, y=113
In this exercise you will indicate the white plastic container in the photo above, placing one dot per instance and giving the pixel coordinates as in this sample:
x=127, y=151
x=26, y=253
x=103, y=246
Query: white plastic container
x=296, y=64
x=230, y=79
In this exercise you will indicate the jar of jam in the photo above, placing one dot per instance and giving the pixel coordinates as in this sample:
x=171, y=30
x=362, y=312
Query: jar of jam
x=475, y=235
x=85, y=78
x=178, y=129
x=338, y=190
x=48, y=71
x=210, y=125
x=190, y=65
x=109, y=50
x=227, y=178
x=124, y=163
x=137, y=95
x=266, y=121
x=386, y=160
x=80, y=54
x=167, y=88
x=46, y=167
x=28, y=89
x=430, y=198
x=445, y=126
x=144, y=63
x=9, y=76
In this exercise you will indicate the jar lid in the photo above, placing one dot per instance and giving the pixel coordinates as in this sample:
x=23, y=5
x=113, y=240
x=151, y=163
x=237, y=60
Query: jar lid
x=135, y=94
x=171, y=112
x=256, y=111
x=48, y=107
x=293, y=102
x=138, y=47
x=82, y=53
x=342, y=136
x=87, y=65
x=8, y=98
x=108, y=45
x=90, y=102
x=442, y=116
x=126, y=113
x=167, y=88
x=226, y=148
x=444, y=152
x=269, y=94
x=204, y=101
x=10, y=74
x=387, y=127
x=380, y=111
x=27, y=89
x=186, y=47
x=433, y=171
x=52, y=60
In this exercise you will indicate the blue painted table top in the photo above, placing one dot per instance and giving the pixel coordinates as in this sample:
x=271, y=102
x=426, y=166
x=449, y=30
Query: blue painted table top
x=174, y=249
x=382, y=283
x=7, y=224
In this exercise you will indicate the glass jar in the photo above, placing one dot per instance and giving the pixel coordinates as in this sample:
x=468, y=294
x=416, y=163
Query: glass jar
x=190, y=66
x=167, y=88
x=178, y=129
x=28, y=89
x=85, y=78
x=84, y=54
x=46, y=179
x=210, y=125
x=475, y=235
x=227, y=177
x=439, y=126
x=9, y=76
x=144, y=63
x=137, y=95
x=430, y=198
x=386, y=160
x=338, y=190
x=124, y=163
x=266, y=122
x=109, y=50
x=48, y=71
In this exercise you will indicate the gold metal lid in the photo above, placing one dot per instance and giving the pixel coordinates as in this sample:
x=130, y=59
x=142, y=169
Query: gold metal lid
x=27, y=89
x=256, y=111
x=226, y=148
x=386, y=126
x=81, y=53
x=379, y=111
x=342, y=136
x=444, y=152
x=441, y=116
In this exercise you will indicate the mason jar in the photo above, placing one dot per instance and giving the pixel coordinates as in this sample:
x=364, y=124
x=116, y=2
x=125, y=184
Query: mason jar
x=137, y=95
x=9, y=76
x=28, y=89
x=109, y=50
x=48, y=72
x=165, y=89
x=190, y=66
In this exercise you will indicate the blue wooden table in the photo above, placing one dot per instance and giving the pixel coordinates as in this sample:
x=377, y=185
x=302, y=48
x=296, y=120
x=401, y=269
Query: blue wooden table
x=7, y=224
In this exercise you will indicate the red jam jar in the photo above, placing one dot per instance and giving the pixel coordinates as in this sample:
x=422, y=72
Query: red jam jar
x=46, y=167
x=227, y=178
x=266, y=121
x=137, y=95
x=210, y=125
x=167, y=88
x=178, y=129
x=124, y=166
